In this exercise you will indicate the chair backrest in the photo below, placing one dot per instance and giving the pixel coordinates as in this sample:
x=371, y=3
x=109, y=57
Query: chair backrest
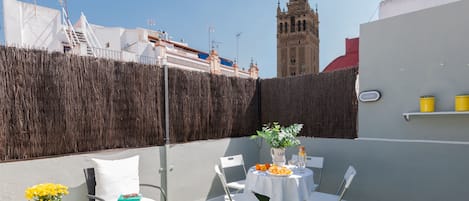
x=90, y=181
x=312, y=161
x=223, y=181
x=232, y=161
x=348, y=177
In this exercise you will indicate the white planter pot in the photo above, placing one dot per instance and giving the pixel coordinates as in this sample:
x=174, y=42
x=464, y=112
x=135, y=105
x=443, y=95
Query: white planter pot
x=278, y=156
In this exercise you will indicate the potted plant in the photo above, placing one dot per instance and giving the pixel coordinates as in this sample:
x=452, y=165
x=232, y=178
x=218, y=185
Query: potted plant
x=279, y=138
x=46, y=192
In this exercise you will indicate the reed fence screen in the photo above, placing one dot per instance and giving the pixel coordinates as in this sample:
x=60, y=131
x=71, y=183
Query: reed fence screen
x=54, y=104
x=325, y=103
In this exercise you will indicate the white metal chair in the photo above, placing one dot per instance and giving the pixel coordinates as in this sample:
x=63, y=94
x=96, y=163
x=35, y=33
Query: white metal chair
x=315, y=162
x=233, y=161
x=233, y=196
x=345, y=184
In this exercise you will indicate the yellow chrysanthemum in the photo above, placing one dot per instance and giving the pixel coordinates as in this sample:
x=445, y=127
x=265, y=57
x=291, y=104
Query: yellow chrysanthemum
x=46, y=192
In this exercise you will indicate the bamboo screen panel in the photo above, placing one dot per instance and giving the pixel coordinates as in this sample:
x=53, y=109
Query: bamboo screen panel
x=57, y=104
x=325, y=103
x=54, y=104
x=205, y=106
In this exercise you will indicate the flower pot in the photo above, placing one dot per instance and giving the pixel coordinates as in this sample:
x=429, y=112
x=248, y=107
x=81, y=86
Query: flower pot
x=461, y=103
x=278, y=156
x=427, y=104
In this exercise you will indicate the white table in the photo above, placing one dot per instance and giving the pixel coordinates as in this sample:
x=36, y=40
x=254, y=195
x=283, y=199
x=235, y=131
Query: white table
x=296, y=187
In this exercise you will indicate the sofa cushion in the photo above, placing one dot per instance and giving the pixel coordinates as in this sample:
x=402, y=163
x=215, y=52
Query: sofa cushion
x=116, y=177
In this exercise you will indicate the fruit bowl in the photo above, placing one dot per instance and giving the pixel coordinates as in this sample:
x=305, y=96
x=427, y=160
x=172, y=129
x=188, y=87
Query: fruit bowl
x=279, y=171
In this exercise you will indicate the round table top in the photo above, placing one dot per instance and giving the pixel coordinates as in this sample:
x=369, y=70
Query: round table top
x=295, y=187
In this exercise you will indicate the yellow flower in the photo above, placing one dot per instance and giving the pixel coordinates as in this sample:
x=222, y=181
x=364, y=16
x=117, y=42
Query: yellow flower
x=46, y=192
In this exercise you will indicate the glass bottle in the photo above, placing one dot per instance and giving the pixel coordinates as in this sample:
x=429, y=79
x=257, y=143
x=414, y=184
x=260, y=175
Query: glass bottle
x=301, y=157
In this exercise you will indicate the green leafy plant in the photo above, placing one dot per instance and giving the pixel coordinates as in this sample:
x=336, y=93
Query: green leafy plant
x=278, y=136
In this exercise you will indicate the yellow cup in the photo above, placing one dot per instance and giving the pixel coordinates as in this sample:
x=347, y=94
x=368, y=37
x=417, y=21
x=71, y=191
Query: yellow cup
x=427, y=104
x=461, y=103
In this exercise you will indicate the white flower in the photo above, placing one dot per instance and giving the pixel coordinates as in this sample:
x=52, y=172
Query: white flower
x=282, y=135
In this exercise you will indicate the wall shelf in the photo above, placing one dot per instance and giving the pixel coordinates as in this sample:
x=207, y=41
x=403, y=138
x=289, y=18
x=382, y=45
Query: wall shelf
x=416, y=114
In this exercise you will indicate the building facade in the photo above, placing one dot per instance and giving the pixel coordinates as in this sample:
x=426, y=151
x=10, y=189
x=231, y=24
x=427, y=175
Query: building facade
x=23, y=21
x=297, y=39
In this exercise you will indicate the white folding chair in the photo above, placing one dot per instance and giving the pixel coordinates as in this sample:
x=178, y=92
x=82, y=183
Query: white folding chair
x=233, y=196
x=233, y=161
x=345, y=184
x=315, y=162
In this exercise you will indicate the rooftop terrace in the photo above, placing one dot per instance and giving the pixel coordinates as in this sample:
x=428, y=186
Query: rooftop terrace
x=59, y=111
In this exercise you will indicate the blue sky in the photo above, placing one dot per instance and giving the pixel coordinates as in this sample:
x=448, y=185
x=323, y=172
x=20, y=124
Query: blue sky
x=255, y=19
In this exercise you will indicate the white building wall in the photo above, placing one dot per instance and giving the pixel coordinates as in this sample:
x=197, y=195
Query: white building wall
x=11, y=21
x=129, y=40
x=390, y=8
x=109, y=36
x=32, y=25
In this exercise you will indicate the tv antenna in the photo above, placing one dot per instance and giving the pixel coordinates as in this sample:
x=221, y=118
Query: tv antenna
x=238, y=35
x=151, y=23
x=216, y=44
x=211, y=29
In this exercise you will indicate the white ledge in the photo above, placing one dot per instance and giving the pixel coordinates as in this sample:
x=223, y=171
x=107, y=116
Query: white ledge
x=409, y=114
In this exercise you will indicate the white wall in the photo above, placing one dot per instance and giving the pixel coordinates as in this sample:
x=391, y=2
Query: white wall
x=111, y=35
x=15, y=177
x=11, y=21
x=390, y=171
x=31, y=25
x=192, y=176
x=412, y=55
x=130, y=39
x=390, y=8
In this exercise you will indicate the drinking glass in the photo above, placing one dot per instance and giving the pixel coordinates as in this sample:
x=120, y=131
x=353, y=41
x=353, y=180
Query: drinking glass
x=301, y=165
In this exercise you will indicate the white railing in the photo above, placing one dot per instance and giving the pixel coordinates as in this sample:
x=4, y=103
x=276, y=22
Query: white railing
x=89, y=33
x=146, y=60
x=121, y=56
x=68, y=29
x=107, y=54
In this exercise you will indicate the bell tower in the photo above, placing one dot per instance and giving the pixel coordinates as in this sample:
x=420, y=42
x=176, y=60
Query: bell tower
x=297, y=39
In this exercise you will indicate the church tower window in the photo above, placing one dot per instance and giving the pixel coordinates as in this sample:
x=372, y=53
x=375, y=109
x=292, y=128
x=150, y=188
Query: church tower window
x=292, y=21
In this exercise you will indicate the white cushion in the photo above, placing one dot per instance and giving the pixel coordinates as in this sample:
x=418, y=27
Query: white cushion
x=237, y=184
x=116, y=177
x=146, y=199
